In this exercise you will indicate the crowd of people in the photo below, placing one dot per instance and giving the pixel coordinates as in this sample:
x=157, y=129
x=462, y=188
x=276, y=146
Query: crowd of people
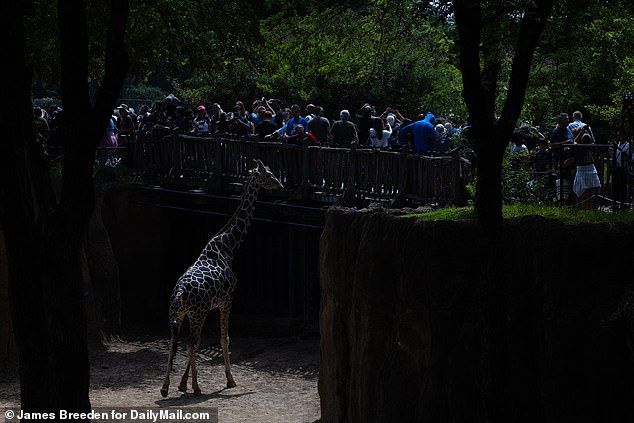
x=426, y=134
x=568, y=155
x=271, y=120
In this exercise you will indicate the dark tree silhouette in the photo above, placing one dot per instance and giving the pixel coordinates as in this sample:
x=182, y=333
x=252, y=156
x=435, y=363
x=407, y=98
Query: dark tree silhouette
x=483, y=31
x=44, y=235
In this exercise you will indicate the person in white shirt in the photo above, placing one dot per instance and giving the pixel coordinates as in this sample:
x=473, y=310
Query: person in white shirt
x=380, y=134
x=576, y=125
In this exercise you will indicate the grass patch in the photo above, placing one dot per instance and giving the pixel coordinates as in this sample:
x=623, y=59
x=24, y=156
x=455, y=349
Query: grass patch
x=450, y=213
x=570, y=215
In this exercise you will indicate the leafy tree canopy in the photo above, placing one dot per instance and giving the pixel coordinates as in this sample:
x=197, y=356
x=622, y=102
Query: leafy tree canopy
x=337, y=54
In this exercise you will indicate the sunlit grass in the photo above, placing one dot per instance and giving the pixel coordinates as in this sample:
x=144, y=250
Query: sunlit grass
x=571, y=215
x=450, y=213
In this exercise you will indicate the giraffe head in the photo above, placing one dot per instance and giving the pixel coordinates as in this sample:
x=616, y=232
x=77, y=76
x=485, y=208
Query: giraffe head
x=264, y=178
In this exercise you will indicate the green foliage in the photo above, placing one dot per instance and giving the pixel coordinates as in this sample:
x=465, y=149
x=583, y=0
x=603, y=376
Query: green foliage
x=342, y=57
x=113, y=171
x=105, y=171
x=585, y=62
x=143, y=92
x=569, y=215
x=471, y=187
x=47, y=102
x=449, y=213
x=520, y=184
x=400, y=53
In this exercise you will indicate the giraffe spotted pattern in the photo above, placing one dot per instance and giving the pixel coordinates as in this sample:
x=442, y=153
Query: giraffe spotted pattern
x=209, y=283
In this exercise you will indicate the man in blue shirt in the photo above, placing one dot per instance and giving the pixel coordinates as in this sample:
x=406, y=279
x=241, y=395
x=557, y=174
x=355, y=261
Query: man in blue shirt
x=295, y=120
x=423, y=132
x=290, y=133
x=562, y=133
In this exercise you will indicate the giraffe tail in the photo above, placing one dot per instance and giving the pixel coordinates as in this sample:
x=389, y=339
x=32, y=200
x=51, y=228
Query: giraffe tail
x=174, y=329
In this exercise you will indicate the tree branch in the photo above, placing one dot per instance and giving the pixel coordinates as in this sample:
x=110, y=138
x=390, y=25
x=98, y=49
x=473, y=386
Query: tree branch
x=117, y=63
x=531, y=28
x=468, y=15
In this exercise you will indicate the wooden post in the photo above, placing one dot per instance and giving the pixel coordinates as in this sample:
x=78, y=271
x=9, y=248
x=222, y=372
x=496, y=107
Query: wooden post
x=305, y=171
x=403, y=180
x=215, y=181
x=350, y=192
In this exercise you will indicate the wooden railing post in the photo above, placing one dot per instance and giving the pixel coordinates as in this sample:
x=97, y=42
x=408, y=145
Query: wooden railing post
x=350, y=192
x=214, y=183
x=305, y=184
x=403, y=180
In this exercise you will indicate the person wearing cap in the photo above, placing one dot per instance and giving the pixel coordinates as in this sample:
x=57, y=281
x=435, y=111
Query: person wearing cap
x=343, y=132
x=311, y=112
x=180, y=122
x=202, y=124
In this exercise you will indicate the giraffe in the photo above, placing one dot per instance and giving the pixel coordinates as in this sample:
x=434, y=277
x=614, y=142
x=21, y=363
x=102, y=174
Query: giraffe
x=209, y=283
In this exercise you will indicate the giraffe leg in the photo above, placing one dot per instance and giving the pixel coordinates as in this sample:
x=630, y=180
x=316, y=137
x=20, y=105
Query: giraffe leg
x=183, y=385
x=175, y=328
x=195, y=328
x=224, y=342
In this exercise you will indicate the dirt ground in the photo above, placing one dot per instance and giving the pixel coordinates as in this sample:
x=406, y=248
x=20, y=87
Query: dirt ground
x=276, y=378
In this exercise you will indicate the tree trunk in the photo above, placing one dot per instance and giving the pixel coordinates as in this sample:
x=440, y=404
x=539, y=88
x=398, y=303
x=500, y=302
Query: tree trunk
x=44, y=239
x=489, y=183
x=491, y=290
x=8, y=348
x=46, y=296
x=480, y=64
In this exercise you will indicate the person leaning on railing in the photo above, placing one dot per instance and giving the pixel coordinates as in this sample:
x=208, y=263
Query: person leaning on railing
x=202, y=124
x=586, y=183
x=560, y=136
x=320, y=126
x=125, y=124
x=622, y=156
x=240, y=124
x=266, y=127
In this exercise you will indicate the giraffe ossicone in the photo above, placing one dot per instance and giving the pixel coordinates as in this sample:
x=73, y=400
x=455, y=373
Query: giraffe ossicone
x=209, y=283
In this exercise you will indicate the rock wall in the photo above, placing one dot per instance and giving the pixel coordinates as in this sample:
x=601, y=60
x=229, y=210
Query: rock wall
x=399, y=339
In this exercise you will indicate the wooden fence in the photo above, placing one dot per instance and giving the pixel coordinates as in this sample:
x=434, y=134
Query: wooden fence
x=309, y=173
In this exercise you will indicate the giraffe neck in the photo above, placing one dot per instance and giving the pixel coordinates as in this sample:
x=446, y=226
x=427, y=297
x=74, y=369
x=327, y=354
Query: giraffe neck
x=234, y=232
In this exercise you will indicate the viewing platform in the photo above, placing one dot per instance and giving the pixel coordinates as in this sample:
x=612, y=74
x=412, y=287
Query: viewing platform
x=314, y=176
